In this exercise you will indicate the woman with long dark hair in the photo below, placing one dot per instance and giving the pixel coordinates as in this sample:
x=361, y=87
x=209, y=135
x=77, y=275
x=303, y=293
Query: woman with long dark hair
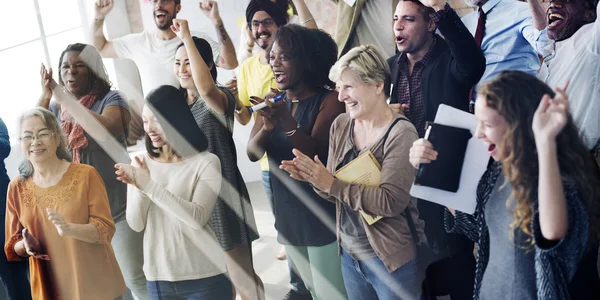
x=83, y=76
x=536, y=220
x=213, y=109
x=301, y=59
x=177, y=183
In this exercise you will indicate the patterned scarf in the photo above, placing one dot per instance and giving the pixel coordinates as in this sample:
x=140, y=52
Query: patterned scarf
x=76, y=139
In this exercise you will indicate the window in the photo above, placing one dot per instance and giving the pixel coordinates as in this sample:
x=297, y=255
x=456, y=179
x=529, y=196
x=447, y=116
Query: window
x=37, y=34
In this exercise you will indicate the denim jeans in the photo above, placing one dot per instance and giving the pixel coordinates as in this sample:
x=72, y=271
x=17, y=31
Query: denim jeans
x=13, y=274
x=129, y=251
x=369, y=279
x=295, y=280
x=212, y=288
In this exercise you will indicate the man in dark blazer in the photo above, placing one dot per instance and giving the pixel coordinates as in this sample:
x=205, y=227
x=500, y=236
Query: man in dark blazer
x=427, y=71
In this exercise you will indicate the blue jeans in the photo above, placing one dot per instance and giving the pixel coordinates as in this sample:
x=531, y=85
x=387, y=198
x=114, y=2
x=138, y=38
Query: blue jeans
x=217, y=287
x=295, y=280
x=13, y=274
x=369, y=279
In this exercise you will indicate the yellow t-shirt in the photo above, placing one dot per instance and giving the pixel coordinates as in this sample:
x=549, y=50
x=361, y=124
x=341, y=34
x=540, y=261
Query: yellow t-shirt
x=255, y=79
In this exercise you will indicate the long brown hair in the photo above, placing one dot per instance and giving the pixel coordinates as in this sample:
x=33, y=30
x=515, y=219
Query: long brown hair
x=515, y=96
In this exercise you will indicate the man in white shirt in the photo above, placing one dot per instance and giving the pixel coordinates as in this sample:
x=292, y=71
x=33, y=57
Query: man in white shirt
x=575, y=57
x=153, y=51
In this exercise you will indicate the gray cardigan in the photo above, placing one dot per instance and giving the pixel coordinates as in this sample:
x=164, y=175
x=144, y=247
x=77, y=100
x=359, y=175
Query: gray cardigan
x=555, y=265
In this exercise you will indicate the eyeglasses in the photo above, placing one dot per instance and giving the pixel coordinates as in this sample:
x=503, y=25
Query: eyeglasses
x=266, y=23
x=42, y=137
x=162, y=1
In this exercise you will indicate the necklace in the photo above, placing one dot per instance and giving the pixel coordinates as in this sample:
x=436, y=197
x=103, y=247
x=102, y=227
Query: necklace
x=291, y=100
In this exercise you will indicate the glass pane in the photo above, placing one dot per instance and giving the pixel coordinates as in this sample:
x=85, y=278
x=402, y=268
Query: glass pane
x=59, y=15
x=58, y=43
x=25, y=19
x=20, y=82
x=109, y=64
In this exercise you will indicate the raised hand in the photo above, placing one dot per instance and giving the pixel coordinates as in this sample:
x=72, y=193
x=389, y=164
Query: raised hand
x=435, y=4
x=550, y=117
x=181, y=28
x=32, y=246
x=103, y=7
x=231, y=85
x=47, y=82
x=210, y=9
x=62, y=226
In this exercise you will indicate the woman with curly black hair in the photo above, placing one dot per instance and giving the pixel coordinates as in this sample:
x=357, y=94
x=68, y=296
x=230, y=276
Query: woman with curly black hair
x=301, y=59
x=536, y=220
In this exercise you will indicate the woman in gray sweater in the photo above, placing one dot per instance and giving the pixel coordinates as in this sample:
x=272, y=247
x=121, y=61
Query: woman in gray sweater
x=537, y=210
x=378, y=259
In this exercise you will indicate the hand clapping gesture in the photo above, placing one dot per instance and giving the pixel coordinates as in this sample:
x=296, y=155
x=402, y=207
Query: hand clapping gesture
x=138, y=176
x=47, y=82
x=303, y=168
x=32, y=246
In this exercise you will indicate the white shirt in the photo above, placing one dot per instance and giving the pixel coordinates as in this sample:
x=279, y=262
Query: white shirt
x=577, y=59
x=174, y=210
x=155, y=58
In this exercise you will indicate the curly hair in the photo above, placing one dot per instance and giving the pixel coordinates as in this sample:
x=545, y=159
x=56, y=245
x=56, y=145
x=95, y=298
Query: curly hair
x=515, y=96
x=98, y=76
x=313, y=51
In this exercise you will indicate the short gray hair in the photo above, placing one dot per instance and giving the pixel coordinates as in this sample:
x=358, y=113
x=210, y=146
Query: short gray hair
x=367, y=64
x=50, y=120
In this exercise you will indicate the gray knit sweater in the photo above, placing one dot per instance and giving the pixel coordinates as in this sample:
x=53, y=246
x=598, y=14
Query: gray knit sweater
x=555, y=263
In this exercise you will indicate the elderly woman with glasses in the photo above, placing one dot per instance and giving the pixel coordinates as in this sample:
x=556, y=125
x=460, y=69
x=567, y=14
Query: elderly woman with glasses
x=58, y=217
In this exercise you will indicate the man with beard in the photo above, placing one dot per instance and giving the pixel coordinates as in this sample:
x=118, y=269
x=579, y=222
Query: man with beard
x=153, y=51
x=428, y=71
x=575, y=57
x=508, y=38
x=255, y=78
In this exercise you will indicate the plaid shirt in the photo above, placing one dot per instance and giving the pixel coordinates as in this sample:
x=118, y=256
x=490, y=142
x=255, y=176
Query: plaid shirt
x=410, y=92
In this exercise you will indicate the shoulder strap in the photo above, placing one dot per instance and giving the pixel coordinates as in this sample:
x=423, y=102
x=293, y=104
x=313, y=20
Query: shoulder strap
x=385, y=136
x=407, y=215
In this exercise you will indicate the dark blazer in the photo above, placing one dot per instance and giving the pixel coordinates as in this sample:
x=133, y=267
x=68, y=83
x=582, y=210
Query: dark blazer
x=457, y=63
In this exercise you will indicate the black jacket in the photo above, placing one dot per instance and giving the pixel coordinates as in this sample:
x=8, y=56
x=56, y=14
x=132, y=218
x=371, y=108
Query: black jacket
x=456, y=64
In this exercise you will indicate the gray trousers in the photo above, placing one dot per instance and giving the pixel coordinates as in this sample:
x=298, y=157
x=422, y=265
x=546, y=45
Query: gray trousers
x=129, y=251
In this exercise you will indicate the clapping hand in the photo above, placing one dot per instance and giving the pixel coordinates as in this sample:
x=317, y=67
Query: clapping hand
x=138, y=176
x=304, y=168
x=32, y=246
x=47, y=82
x=62, y=226
x=435, y=4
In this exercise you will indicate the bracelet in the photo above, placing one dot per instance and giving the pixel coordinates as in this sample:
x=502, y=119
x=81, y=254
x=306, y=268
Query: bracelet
x=304, y=22
x=99, y=20
x=293, y=131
